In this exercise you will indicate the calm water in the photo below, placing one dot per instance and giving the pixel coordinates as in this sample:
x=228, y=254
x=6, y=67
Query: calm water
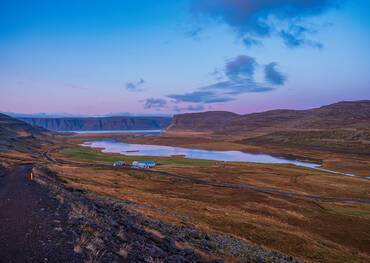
x=118, y=131
x=110, y=146
x=156, y=150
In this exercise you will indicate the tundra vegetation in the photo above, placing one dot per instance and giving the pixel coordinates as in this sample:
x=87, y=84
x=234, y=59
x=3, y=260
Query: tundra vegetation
x=230, y=198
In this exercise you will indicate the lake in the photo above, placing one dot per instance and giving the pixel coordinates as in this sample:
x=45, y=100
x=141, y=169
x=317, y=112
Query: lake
x=110, y=146
x=116, y=131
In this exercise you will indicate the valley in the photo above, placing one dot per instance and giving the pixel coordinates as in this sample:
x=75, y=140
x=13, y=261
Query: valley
x=202, y=210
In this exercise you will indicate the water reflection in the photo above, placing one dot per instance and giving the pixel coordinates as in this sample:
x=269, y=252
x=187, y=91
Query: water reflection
x=156, y=150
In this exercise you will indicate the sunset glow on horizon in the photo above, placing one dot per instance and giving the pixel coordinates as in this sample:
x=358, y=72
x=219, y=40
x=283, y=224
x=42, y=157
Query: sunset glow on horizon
x=167, y=57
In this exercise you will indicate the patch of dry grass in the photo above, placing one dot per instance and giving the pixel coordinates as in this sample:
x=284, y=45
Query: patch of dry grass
x=293, y=226
x=312, y=230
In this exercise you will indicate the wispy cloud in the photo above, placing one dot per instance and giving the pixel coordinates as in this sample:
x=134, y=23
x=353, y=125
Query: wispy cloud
x=200, y=97
x=239, y=73
x=188, y=108
x=217, y=74
x=240, y=67
x=194, y=32
x=273, y=75
x=294, y=37
x=155, y=103
x=249, y=41
x=236, y=87
x=255, y=20
x=135, y=86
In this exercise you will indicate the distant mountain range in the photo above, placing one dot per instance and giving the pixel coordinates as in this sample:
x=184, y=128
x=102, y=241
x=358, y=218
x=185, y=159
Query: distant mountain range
x=76, y=115
x=342, y=126
x=347, y=114
x=100, y=123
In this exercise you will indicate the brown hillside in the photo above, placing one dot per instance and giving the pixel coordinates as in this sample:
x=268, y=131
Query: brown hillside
x=204, y=121
x=20, y=136
x=352, y=114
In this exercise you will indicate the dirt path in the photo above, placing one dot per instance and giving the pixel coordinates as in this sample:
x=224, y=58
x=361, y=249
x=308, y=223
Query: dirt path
x=33, y=225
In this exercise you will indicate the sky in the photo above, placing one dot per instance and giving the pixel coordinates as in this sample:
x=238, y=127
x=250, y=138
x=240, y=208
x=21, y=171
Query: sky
x=99, y=57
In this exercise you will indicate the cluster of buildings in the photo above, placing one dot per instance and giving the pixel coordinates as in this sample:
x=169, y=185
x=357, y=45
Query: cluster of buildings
x=136, y=164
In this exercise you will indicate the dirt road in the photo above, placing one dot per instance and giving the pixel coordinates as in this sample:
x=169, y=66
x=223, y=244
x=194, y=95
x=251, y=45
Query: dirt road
x=33, y=225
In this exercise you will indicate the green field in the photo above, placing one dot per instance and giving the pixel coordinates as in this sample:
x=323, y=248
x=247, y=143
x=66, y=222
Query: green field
x=95, y=155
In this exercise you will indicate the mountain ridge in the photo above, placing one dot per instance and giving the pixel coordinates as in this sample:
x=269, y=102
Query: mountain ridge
x=344, y=114
x=100, y=123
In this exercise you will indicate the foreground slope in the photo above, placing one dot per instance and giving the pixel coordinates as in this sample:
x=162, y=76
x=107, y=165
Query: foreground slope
x=34, y=225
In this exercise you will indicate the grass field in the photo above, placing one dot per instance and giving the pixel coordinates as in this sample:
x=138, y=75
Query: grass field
x=88, y=154
x=312, y=230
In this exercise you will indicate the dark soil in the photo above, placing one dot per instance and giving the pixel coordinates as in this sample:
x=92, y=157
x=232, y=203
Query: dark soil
x=34, y=225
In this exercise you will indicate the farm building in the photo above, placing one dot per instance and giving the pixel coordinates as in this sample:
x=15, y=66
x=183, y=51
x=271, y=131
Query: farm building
x=143, y=164
x=119, y=163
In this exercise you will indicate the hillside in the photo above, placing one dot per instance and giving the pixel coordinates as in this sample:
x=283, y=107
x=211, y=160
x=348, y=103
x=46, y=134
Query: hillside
x=20, y=136
x=354, y=114
x=205, y=121
x=100, y=123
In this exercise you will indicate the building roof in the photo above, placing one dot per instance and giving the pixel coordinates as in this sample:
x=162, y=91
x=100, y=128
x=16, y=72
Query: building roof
x=146, y=162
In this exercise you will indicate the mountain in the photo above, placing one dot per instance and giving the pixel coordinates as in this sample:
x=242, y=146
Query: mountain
x=100, y=123
x=351, y=114
x=339, y=127
x=20, y=136
x=205, y=121
x=347, y=114
x=353, y=140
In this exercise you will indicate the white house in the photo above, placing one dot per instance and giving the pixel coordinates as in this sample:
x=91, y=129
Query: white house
x=143, y=164
x=119, y=163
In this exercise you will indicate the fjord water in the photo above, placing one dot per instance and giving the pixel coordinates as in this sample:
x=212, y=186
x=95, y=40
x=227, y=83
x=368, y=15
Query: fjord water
x=115, y=131
x=110, y=146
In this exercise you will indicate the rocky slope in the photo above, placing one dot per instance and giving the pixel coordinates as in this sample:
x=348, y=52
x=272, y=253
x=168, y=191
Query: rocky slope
x=100, y=123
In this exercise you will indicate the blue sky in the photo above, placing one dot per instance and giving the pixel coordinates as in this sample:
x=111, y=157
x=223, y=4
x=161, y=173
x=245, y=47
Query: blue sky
x=100, y=57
